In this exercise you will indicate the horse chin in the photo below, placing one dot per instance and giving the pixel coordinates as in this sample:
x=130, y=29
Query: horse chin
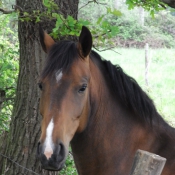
x=51, y=164
x=51, y=168
x=54, y=163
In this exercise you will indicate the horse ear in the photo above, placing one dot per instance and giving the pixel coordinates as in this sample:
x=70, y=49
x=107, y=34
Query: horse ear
x=46, y=41
x=85, y=42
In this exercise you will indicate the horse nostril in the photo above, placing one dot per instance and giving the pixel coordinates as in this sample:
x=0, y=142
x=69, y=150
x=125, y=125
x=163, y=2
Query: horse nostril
x=62, y=150
x=60, y=153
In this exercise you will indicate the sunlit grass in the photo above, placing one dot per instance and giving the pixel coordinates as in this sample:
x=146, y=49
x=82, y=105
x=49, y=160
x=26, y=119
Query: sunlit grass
x=161, y=75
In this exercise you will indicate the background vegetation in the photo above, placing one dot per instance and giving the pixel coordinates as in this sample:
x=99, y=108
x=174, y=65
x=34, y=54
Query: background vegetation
x=161, y=87
x=9, y=55
x=132, y=34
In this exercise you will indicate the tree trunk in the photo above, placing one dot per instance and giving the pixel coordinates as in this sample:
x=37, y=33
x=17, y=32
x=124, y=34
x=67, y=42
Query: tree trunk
x=2, y=98
x=21, y=142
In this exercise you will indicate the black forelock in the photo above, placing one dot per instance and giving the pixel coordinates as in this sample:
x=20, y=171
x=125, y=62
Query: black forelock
x=61, y=56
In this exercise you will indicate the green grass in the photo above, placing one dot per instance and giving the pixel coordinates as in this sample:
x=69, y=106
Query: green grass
x=161, y=75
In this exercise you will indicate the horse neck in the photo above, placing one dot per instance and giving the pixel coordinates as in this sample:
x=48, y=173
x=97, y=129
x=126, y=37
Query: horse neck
x=112, y=136
x=92, y=147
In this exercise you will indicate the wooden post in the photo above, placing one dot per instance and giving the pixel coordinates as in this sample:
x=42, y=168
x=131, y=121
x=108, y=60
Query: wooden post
x=146, y=63
x=146, y=163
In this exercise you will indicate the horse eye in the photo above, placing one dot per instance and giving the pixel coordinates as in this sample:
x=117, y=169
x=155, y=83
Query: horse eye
x=83, y=88
x=40, y=86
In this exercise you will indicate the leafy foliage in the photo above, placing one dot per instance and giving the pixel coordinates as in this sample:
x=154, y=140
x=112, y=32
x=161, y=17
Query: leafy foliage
x=153, y=6
x=67, y=26
x=69, y=168
x=8, y=68
x=101, y=29
x=158, y=32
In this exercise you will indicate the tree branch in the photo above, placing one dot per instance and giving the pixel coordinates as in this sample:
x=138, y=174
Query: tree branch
x=94, y=1
x=102, y=34
x=7, y=88
x=15, y=7
x=7, y=99
x=6, y=11
x=110, y=48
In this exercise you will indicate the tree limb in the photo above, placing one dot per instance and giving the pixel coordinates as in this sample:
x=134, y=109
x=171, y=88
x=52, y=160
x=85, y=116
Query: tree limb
x=7, y=99
x=7, y=88
x=110, y=48
x=92, y=1
x=6, y=11
x=15, y=7
x=102, y=34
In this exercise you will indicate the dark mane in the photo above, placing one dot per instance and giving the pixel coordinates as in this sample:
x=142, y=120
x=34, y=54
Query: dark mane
x=61, y=56
x=129, y=92
x=63, y=53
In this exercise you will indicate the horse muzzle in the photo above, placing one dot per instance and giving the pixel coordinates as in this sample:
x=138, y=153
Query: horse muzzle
x=56, y=160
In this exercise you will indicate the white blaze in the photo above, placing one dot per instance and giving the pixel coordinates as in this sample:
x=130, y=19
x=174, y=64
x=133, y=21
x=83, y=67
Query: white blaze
x=49, y=142
x=58, y=75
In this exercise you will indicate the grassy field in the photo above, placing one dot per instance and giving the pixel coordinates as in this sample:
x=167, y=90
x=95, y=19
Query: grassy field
x=161, y=75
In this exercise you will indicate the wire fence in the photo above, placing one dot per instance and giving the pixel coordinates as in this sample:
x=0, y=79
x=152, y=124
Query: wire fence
x=17, y=164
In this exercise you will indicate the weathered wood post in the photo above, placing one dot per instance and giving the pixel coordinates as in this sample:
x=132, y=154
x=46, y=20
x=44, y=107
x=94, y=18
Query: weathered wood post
x=146, y=163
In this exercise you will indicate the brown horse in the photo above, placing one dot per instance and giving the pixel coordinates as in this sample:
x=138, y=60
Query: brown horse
x=98, y=109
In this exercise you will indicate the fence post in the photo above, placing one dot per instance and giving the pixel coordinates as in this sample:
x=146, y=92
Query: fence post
x=146, y=163
x=146, y=63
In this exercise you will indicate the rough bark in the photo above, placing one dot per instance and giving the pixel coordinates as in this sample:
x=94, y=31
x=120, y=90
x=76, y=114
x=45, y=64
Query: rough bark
x=24, y=131
x=2, y=98
x=2, y=148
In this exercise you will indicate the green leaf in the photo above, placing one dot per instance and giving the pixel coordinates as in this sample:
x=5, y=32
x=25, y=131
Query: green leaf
x=116, y=12
x=46, y=3
x=108, y=9
x=71, y=21
x=26, y=14
x=59, y=22
x=37, y=19
x=152, y=13
x=83, y=22
x=100, y=19
x=56, y=15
